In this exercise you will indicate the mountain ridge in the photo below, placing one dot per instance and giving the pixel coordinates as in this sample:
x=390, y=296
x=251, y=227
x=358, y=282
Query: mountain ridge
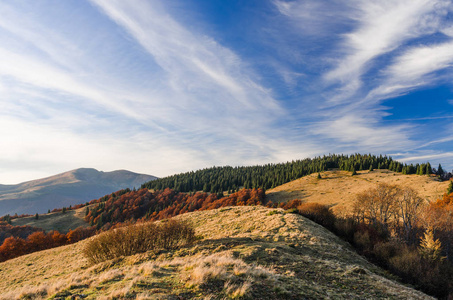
x=64, y=189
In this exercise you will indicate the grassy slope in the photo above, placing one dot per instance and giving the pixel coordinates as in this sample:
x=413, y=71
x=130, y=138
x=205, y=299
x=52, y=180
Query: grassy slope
x=336, y=188
x=244, y=251
x=339, y=188
x=55, y=221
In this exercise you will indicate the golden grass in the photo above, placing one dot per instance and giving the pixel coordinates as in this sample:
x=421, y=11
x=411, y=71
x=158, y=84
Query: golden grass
x=245, y=252
x=56, y=220
x=339, y=188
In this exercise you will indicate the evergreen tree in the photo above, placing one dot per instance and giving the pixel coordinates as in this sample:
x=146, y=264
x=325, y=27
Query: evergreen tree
x=227, y=178
x=450, y=188
x=418, y=170
x=440, y=171
x=429, y=247
x=36, y=216
x=429, y=170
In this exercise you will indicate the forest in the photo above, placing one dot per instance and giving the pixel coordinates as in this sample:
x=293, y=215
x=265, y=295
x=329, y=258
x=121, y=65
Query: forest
x=232, y=179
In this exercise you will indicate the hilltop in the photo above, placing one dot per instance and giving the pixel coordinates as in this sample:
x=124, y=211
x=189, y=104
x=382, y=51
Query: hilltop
x=251, y=251
x=338, y=188
x=65, y=189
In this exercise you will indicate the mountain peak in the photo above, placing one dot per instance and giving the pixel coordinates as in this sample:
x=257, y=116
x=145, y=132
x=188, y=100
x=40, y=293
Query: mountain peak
x=64, y=189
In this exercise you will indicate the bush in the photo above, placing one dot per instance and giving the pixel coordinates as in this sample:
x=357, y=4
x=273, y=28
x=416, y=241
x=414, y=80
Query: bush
x=319, y=213
x=139, y=238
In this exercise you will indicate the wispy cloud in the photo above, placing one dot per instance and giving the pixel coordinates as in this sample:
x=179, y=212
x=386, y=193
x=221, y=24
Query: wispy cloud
x=376, y=50
x=414, y=68
x=198, y=104
x=133, y=81
x=382, y=27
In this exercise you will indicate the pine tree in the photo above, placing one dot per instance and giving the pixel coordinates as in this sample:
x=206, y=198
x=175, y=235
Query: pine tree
x=430, y=248
x=418, y=169
x=429, y=170
x=440, y=171
x=36, y=216
x=450, y=188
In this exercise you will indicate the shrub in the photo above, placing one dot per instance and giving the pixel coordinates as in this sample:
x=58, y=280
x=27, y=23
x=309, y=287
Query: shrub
x=319, y=213
x=139, y=238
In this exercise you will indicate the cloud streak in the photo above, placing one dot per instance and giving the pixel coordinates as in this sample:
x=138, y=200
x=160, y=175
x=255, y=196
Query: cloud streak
x=144, y=89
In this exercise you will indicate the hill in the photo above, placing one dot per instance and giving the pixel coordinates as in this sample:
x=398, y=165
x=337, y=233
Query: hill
x=65, y=189
x=338, y=188
x=72, y=219
x=244, y=251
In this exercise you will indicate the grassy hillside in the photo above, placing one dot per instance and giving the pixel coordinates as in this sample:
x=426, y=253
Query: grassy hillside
x=339, y=188
x=252, y=252
x=71, y=219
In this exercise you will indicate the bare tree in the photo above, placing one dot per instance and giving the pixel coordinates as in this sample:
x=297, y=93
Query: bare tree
x=409, y=210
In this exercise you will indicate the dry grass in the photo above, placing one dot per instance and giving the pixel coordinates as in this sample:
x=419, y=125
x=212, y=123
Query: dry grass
x=338, y=188
x=245, y=253
x=56, y=220
x=139, y=238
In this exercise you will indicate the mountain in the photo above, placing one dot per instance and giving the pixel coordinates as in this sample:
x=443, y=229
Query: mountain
x=69, y=188
x=246, y=252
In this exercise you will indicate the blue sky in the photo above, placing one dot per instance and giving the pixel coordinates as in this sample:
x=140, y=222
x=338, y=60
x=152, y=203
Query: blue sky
x=162, y=87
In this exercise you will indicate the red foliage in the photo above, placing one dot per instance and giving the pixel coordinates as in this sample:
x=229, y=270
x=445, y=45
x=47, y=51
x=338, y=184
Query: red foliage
x=143, y=204
x=7, y=230
x=14, y=246
x=122, y=207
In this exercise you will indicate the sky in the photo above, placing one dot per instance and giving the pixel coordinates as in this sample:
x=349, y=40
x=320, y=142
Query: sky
x=168, y=86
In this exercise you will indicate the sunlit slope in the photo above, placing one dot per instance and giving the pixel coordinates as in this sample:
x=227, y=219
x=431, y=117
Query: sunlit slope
x=59, y=221
x=338, y=188
x=250, y=251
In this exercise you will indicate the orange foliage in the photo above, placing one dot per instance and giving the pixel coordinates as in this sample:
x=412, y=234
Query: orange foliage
x=15, y=246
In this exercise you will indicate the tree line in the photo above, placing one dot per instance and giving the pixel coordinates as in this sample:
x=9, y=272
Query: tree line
x=232, y=179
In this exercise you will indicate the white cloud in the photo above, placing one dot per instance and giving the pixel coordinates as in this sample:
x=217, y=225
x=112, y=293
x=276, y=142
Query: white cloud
x=198, y=105
x=413, y=69
x=382, y=26
x=363, y=133
x=191, y=61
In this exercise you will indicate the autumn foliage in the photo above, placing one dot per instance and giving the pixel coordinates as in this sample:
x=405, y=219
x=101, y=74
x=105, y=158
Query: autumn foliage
x=139, y=238
x=158, y=205
x=16, y=246
x=124, y=206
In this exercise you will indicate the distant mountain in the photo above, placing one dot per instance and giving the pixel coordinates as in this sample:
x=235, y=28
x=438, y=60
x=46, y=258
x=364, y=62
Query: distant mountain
x=69, y=188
